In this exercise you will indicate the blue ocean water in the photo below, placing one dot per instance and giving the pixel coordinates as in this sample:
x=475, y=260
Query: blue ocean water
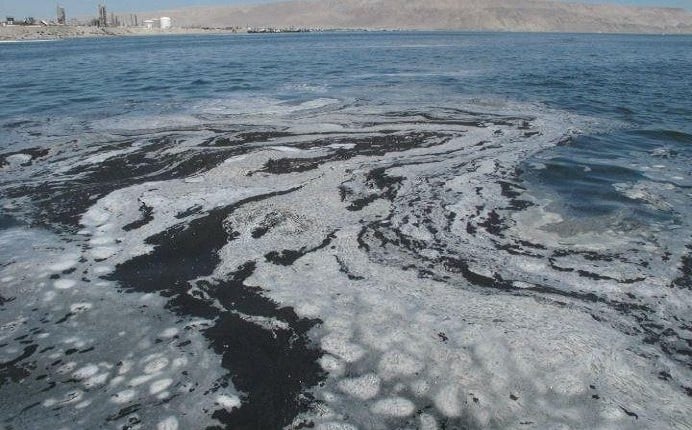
x=643, y=79
x=347, y=230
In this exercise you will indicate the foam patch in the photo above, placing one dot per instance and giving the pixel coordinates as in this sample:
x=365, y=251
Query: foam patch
x=341, y=265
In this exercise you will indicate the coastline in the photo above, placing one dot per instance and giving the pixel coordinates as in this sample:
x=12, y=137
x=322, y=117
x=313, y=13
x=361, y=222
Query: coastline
x=43, y=33
x=53, y=33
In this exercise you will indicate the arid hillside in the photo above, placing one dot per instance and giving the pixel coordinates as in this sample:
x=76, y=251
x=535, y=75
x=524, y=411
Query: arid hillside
x=498, y=15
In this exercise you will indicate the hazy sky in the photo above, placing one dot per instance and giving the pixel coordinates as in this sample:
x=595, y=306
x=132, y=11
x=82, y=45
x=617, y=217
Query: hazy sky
x=46, y=8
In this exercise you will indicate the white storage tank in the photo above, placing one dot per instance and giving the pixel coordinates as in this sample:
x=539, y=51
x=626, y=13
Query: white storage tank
x=165, y=22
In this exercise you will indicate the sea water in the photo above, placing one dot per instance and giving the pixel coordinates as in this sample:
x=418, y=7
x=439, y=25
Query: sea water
x=347, y=230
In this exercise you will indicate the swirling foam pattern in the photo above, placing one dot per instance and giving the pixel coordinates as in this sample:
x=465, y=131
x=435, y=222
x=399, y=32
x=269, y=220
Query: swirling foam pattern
x=345, y=262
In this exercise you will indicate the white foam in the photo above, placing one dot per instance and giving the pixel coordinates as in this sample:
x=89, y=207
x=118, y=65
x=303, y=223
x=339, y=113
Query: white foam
x=102, y=270
x=342, y=145
x=96, y=380
x=160, y=385
x=140, y=380
x=427, y=422
x=18, y=158
x=364, y=388
x=131, y=122
x=420, y=387
x=257, y=106
x=98, y=342
x=194, y=180
x=95, y=217
x=64, y=284
x=86, y=371
x=83, y=405
x=101, y=240
x=395, y=406
x=284, y=149
x=332, y=364
x=228, y=402
x=124, y=396
x=65, y=263
x=447, y=401
x=335, y=426
x=169, y=332
x=168, y=423
x=156, y=365
x=103, y=252
x=235, y=159
x=342, y=348
x=395, y=340
x=395, y=363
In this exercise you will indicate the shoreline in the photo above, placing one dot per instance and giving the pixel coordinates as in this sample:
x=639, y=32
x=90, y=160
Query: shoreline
x=53, y=33
x=43, y=33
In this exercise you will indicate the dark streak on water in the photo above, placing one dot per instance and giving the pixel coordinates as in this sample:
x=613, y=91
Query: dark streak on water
x=671, y=342
x=287, y=257
x=15, y=372
x=60, y=204
x=273, y=368
x=368, y=146
x=147, y=217
x=685, y=279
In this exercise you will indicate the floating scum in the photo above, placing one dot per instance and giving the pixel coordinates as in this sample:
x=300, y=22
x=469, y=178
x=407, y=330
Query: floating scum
x=334, y=263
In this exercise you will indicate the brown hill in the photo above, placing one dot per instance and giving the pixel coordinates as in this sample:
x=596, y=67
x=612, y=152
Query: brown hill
x=497, y=15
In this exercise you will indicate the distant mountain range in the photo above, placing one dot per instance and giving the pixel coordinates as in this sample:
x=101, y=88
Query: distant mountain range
x=494, y=15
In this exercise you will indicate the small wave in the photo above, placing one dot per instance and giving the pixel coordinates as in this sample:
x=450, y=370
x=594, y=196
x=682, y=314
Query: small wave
x=200, y=82
x=668, y=135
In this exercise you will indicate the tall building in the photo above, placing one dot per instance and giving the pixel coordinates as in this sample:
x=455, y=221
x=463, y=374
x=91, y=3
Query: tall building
x=61, y=15
x=103, y=17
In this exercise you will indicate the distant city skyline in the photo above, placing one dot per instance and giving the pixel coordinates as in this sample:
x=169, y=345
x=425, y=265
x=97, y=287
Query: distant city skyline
x=81, y=8
x=41, y=9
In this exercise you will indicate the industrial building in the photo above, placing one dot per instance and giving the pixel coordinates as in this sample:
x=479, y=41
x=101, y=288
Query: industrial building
x=103, y=17
x=61, y=15
x=165, y=22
